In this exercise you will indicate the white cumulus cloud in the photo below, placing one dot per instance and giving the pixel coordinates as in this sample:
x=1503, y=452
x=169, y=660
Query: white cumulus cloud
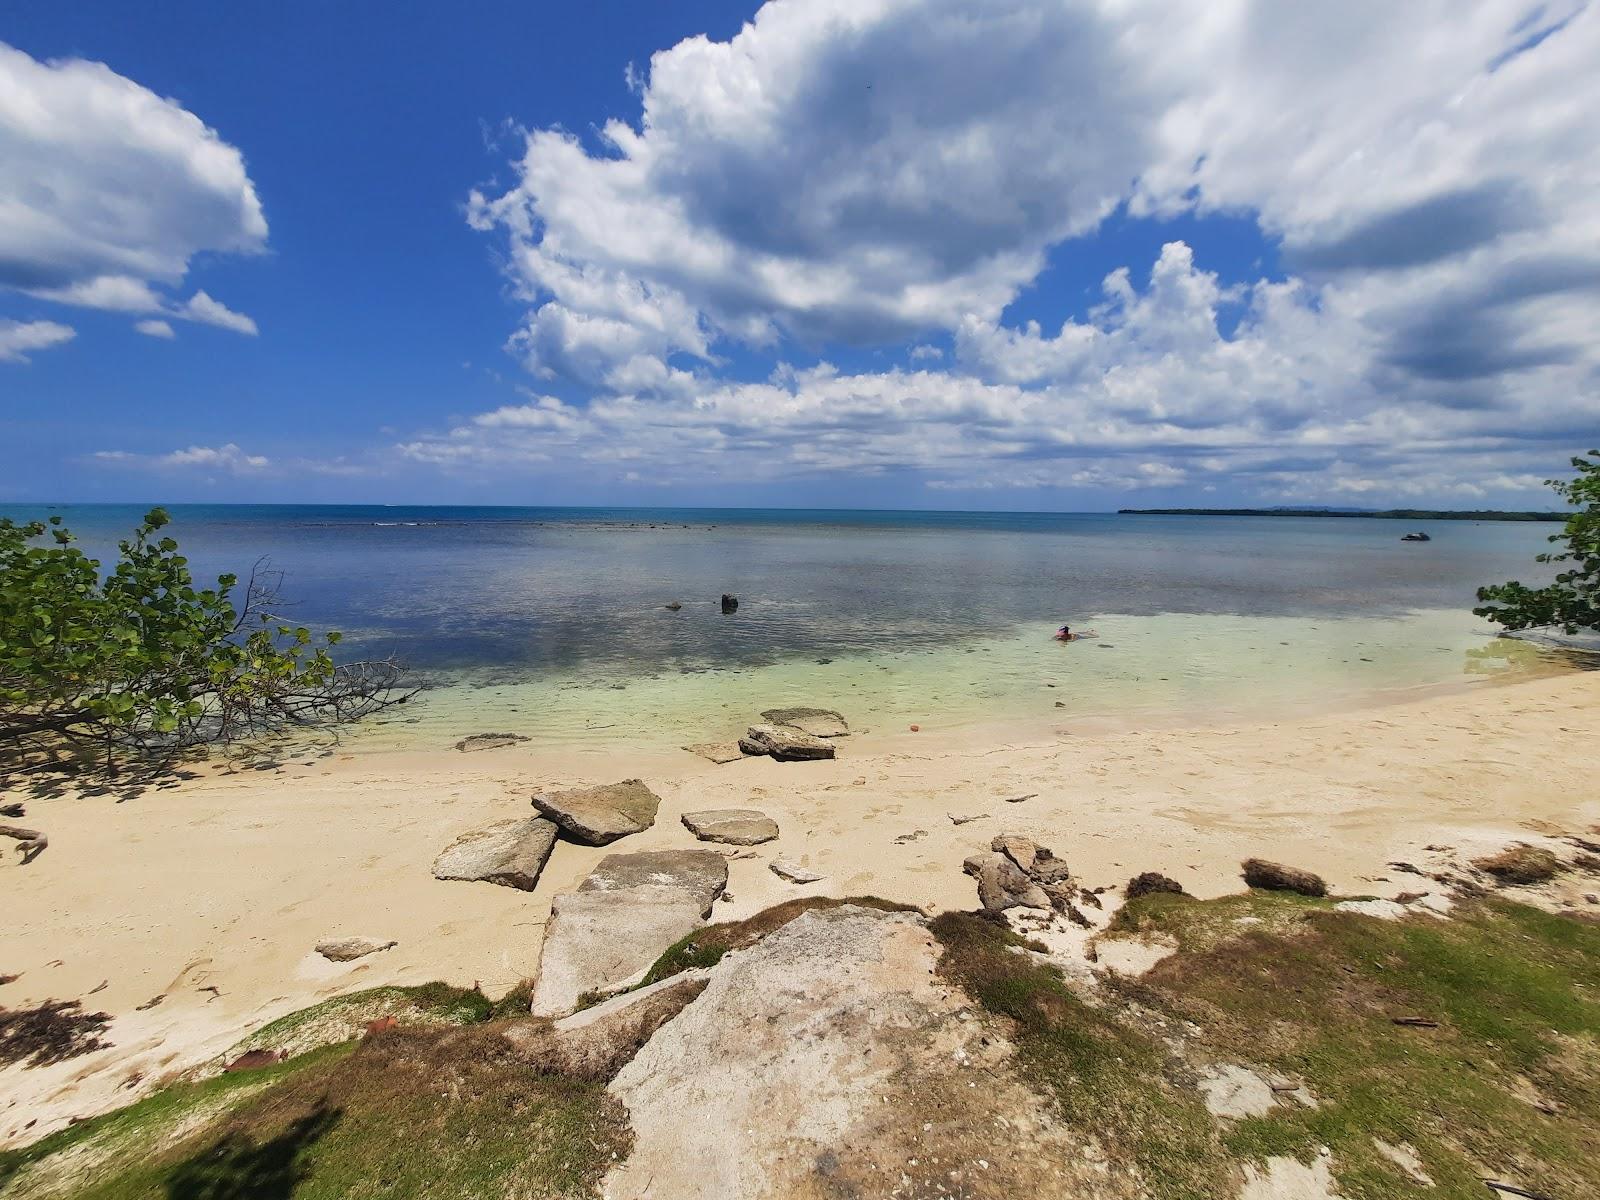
x=18, y=339
x=109, y=191
x=878, y=172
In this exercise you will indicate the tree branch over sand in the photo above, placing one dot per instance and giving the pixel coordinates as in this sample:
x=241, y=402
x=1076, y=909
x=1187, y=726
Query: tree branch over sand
x=123, y=671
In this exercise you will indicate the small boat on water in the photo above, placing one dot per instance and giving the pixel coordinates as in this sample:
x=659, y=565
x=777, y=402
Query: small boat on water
x=1416, y=537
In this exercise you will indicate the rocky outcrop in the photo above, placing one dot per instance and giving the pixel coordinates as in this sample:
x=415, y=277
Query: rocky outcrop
x=351, y=948
x=730, y=604
x=1150, y=883
x=731, y=826
x=599, y=941
x=597, y=816
x=818, y=722
x=1002, y=884
x=511, y=853
x=489, y=741
x=831, y=1059
x=1033, y=860
x=1259, y=873
x=701, y=873
x=785, y=743
x=595, y=1044
x=717, y=752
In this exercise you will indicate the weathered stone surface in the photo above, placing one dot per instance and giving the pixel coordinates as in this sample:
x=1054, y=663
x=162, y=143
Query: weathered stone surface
x=701, y=873
x=1002, y=884
x=784, y=742
x=717, y=752
x=596, y=1043
x=1151, y=882
x=511, y=853
x=731, y=826
x=1259, y=873
x=597, y=816
x=793, y=872
x=598, y=941
x=489, y=741
x=1034, y=860
x=818, y=722
x=815, y=1060
x=350, y=948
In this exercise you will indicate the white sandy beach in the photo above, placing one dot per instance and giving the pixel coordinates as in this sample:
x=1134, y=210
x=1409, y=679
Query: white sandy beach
x=213, y=893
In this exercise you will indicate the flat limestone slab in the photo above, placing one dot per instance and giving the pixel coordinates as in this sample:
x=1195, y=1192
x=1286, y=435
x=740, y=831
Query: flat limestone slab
x=511, y=853
x=731, y=826
x=717, y=752
x=602, y=940
x=818, y=722
x=597, y=816
x=785, y=743
x=701, y=873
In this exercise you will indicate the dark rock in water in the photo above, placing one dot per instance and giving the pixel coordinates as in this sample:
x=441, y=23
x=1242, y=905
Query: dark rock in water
x=489, y=741
x=818, y=722
x=1151, y=882
x=599, y=815
x=729, y=603
x=674, y=606
x=785, y=743
x=1259, y=873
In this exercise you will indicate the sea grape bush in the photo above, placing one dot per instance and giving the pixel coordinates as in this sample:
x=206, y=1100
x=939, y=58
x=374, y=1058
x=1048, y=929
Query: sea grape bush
x=138, y=659
x=1572, y=602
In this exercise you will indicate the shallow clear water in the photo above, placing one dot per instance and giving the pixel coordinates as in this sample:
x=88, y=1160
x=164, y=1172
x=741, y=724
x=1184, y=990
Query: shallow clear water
x=552, y=622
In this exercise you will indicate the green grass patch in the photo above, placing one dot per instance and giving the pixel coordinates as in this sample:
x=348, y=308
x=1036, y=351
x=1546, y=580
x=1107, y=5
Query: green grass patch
x=1503, y=1086
x=405, y=1113
x=1105, y=1073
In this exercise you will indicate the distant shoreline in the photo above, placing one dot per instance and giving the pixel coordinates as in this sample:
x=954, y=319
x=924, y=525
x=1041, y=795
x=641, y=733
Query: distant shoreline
x=1390, y=514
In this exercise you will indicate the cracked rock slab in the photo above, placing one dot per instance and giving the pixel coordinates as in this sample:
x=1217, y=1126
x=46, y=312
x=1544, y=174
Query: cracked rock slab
x=731, y=826
x=703, y=874
x=818, y=722
x=785, y=743
x=511, y=853
x=351, y=948
x=717, y=752
x=598, y=816
x=599, y=941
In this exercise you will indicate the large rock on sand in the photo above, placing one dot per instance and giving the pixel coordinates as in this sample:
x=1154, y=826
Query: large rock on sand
x=818, y=722
x=599, y=941
x=701, y=873
x=731, y=826
x=813, y=1062
x=1259, y=873
x=597, y=816
x=511, y=853
x=1002, y=884
x=785, y=743
x=349, y=949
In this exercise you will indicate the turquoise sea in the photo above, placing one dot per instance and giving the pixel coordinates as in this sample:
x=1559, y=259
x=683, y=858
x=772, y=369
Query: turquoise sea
x=553, y=622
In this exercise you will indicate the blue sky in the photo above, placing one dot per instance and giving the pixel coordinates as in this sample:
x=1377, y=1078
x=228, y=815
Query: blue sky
x=887, y=252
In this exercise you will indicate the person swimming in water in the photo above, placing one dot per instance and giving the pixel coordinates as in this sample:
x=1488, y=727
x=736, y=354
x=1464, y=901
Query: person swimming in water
x=1065, y=634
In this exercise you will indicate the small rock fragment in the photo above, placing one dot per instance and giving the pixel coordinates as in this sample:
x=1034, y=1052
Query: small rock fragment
x=793, y=872
x=488, y=741
x=349, y=949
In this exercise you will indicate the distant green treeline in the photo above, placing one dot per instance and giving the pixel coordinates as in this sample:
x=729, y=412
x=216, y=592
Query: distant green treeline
x=1389, y=514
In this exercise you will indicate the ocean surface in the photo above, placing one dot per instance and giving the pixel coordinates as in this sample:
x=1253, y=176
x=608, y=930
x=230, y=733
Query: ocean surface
x=553, y=622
